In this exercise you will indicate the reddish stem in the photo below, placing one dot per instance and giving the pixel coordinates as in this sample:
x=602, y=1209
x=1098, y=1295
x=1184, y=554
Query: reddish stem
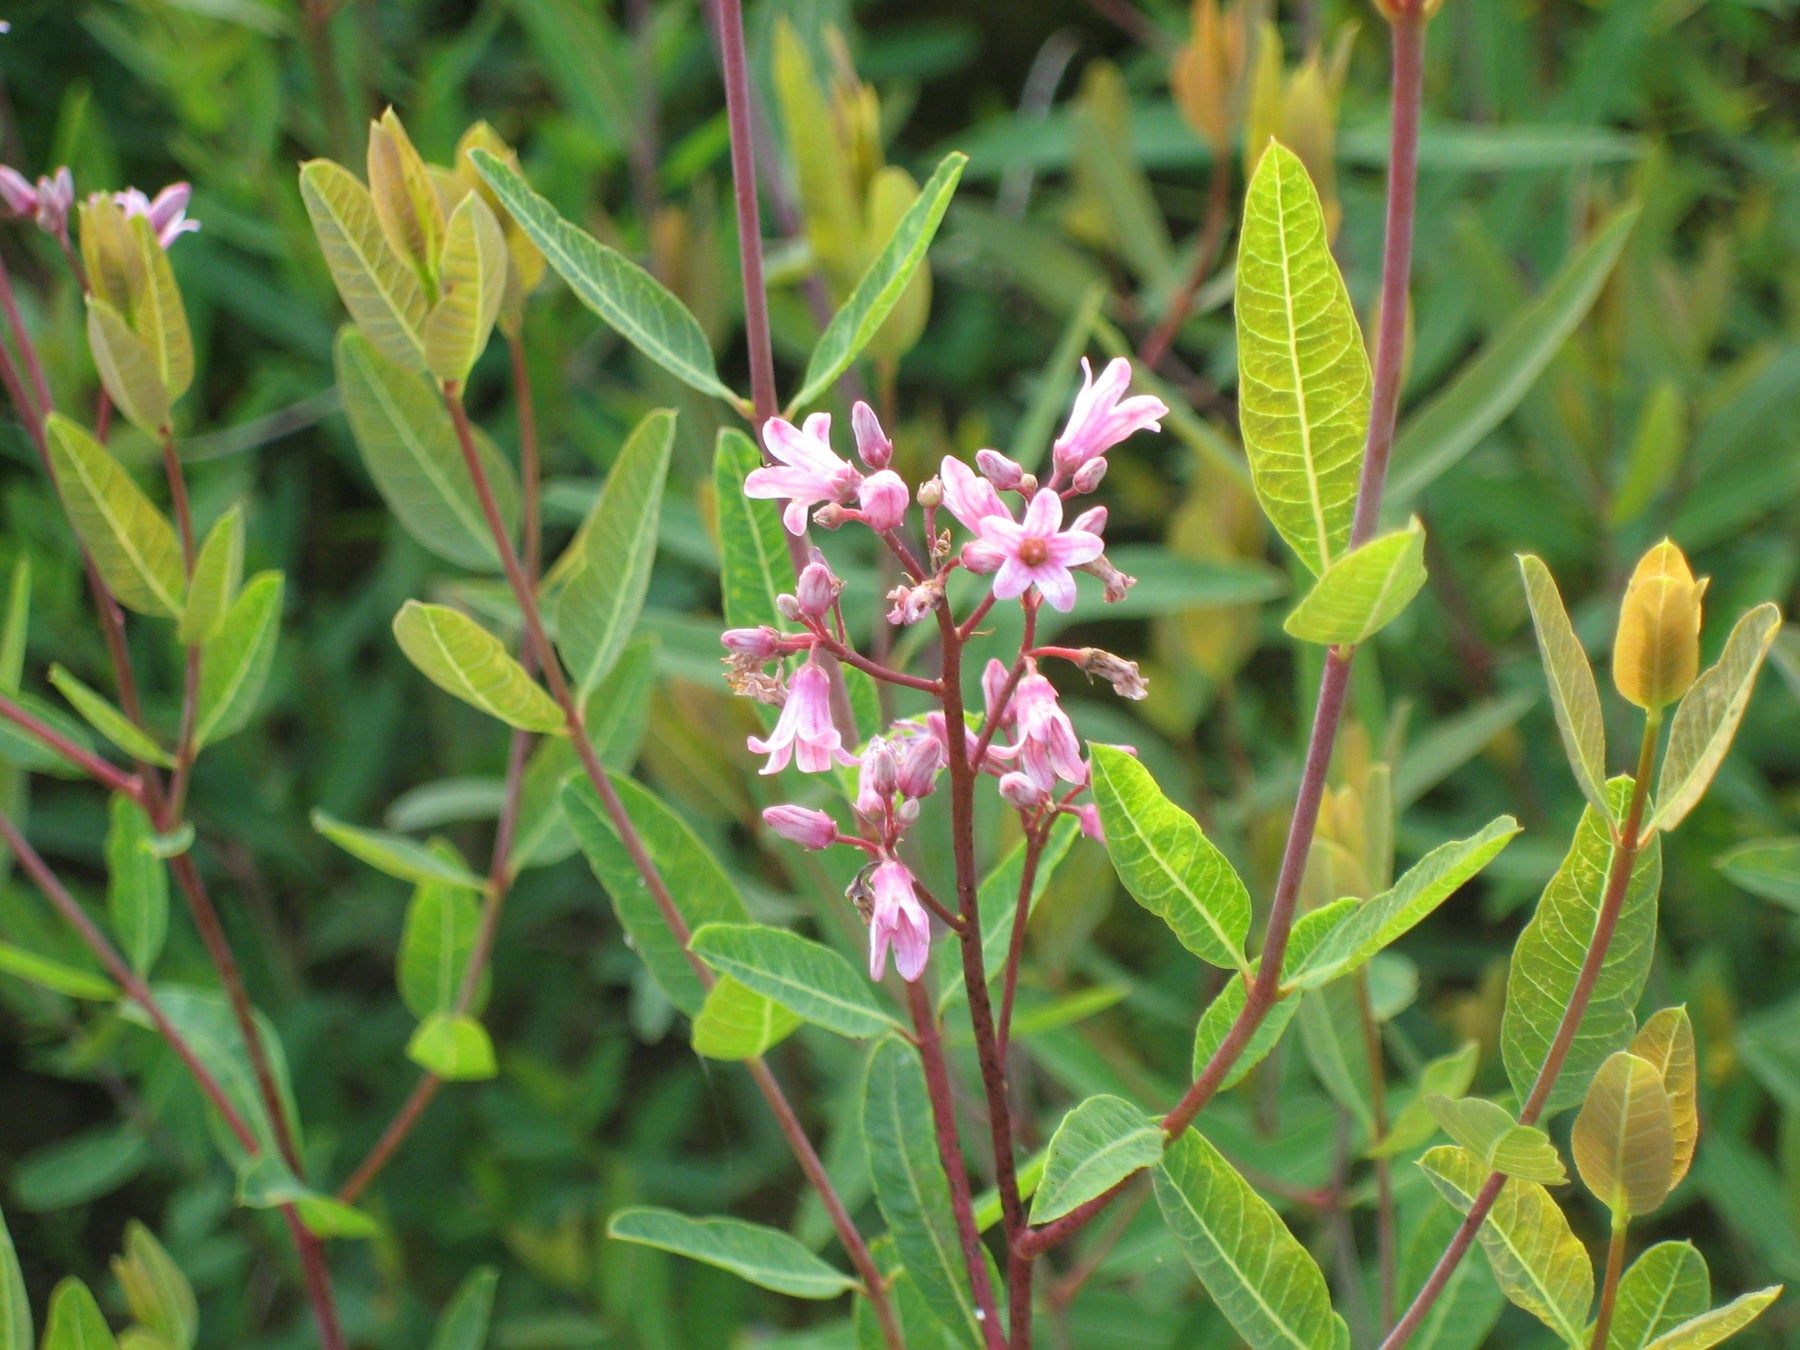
x=730, y=18
x=1015, y=949
x=92, y=765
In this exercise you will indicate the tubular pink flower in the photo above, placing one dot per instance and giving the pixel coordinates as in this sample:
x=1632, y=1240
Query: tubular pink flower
x=872, y=443
x=809, y=472
x=761, y=645
x=1002, y=472
x=898, y=920
x=971, y=499
x=882, y=497
x=1100, y=420
x=804, y=730
x=1048, y=748
x=167, y=213
x=921, y=761
x=16, y=191
x=56, y=198
x=877, y=781
x=1089, y=816
x=1039, y=552
x=812, y=830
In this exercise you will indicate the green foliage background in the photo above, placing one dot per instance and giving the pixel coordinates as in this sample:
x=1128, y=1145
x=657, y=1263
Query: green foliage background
x=1671, y=410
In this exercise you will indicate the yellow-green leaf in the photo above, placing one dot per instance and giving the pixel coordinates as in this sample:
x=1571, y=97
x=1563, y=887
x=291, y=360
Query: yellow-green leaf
x=127, y=368
x=15, y=1306
x=379, y=288
x=1540, y=1263
x=1667, y=1042
x=763, y=1256
x=1707, y=717
x=1708, y=1329
x=435, y=863
x=1624, y=1137
x=471, y=284
x=74, y=1321
x=1099, y=1143
x=157, y=313
x=1574, y=696
x=1363, y=591
x=457, y=1049
x=405, y=199
x=1665, y=1287
x=235, y=662
x=1303, y=375
x=218, y=571
x=462, y=658
x=103, y=717
x=158, y=1294
x=132, y=542
x=1489, y=1133
x=736, y=1022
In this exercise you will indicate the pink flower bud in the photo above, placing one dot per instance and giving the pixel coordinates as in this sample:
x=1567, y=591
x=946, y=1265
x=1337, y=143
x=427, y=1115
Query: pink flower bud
x=980, y=556
x=993, y=680
x=760, y=645
x=931, y=492
x=810, y=829
x=1022, y=791
x=17, y=193
x=788, y=607
x=56, y=198
x=876, y=782
x=1093, y=520
x=829, y=516
x=1089, y=816
x=897, y=919
x=817, y=590
x=906, y=813
x=921, y=761
x=1002, y=472
x=1088, y=476
x=883, y=500
x=872, y=444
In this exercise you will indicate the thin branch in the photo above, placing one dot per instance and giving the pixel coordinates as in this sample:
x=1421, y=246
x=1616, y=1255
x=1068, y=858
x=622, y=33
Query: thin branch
x=763, y=399
x=92, y=765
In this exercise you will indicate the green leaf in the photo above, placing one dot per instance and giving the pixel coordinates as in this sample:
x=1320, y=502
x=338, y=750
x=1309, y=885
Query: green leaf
x=1362, y=592
x=15, y=1307
x=157, y=314
x=137, y=885
x=1574, y=697
x=1488, y=1132
x=235, y=665
x=158, y=1294
x=1446, y=1076
x=1666, y=1041
x=264, y=1182
x=1549, y=953
x=632, y=301
x=379, y=288
x=127, y=367
x=1471, y=1301
x=1666, y=1286
x=471, y=283
x=58, y=978
x=1098, y=1144
x=13, y=631
x=464, y=1325
x=1494, y=383
x=78, y=1168
x=410, y=447
x=805, y=977
x=1331, y=1034
x=1768, y=867
x=701, y=891
x=218, y=572
x=1267, y=1285
x=454, y=1047
x=855, y=325
x=1167, y=864
x=911, y=1188
x=1303, y=376
x=1540, y=1264
x=436, y=944
x=462, y=658
x=602, y=600
x=1707, y=1330
x=754, y=564
x=1707, y=717
x=399, y=856
x=106, y=719
x=736, y=1022
x=132, y=543
x=74, y=1321
x=1623, y=1142
x=1380, y=921
x=765, y=1257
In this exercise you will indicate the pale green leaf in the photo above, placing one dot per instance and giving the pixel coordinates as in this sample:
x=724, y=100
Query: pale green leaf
x=1766, y=867
x=1548, y=957
x=754, y=564
x=77, y=1168
x=1707, y=717
x=379, y=288
x=1574, y=697
x=1488, y=1132
x=1267, y=1285
x=462, y=658
x=1667, y=1042
x=1446, y=1076
x=1167, y=864
x=74, y=1321
x=1303, y=376
x=264, y=1182
x=13, y=631
x=55, y=976
x=805, y=977
x=127, y=368
x=1471, y=1302
x=881, y=287
x=105, y=718
x=1098, y=1144
x=1540, y=1264
x=736, y=1022
x=1362, y=592
x=137, y=885
x=235, y=664
x=218, y=572
x=1666, y=1286
x=602, y=600
x=132, y=542
x=15, y=1306
x=764, y=1256
x=1707, y=1330
x=158, y=1294
x=157, y=314
x=1331, y=1034
x=464, y=1325
x=471, y=284
x=1624, y=1137
x=397, y=855
x=436, y=944
x=454, y=1047
x=632, y=301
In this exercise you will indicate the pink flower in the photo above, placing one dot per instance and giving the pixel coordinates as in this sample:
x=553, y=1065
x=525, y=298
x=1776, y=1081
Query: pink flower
x=882, y=497
x=1089, y=816
x=1022, y=791
x=1002, y=472
x=799, y=825
x=898, y=920
x=971, y=499
x=878, y=779
x=1047, y=746
x=872, y=443
x=921, y=761
x=47, y=204
x=809, y=472
x=17, y=192
x=1099, y=420
x=167, y=214
x=805, y=724
x=1039, y=552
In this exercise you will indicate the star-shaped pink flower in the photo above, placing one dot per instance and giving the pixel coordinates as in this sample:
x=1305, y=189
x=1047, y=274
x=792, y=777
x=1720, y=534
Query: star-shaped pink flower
x=809, y=472
x=1039, y=552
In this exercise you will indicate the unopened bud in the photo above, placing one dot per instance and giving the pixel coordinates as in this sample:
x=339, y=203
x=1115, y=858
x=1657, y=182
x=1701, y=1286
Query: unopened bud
x=876, y=783
x=1093, y=520
x=829, y=516
x=800, y=825
x=56, y=198
x=760, y=645
x=788, y=607
x=816, y=591
x=982, y=557
x=16, y=192
x=1121, y=674
x=931, y=492
x=1002, y=472
x=1656, y=654
x=1021, y=790
x=920, y=763
x=906, y=813
x=882, y=497
x=1088, y=476
x=872, y=444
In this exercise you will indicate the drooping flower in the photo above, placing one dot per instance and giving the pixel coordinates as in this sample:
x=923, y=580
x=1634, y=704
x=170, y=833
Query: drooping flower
x=809, y=472
x=801, y=825
x=1100, y=419
x=897, y=920
x=1048, y=748
x=167, y=212
x=971, y=498
x=1039, y=552
x=804, y=731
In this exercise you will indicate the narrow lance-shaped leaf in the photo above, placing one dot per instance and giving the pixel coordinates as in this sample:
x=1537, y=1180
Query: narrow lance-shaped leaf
x=1707, y=718
x=127, y=368
x=1447, y=1076
x=1303, y=376
x=1539, y=1262
x=632, y=301
x=13, y=629
x=1100, y=1142
x=453, y=1046
x=132, y=543
x=763, y=1256
x=74, y=1321
x=1167, y=863
x=157, y=313
x=602, y=600
x=1363, y=591
x=137, y=885
x=436, y=945
x=881, y=287
x=462, y=658
x=378, y=286
x=235, y=664
x=15, y=1307
x=104, y=717
x=754, y=564
x=1497, y=1141
x=158, y=1294
x=1267, y=1285
x=1666, y=1286
x=1471, y=1302
x=735, y=1022
x=464, y=1325
x=471, y=283
x=1624, y=1137
x=803, y=976
x=264, y=1182
x=1708, y=1329
x=398, y=856
x=54, y=975
x=1574, y=697
x=1667, y=1042
x=218, y=572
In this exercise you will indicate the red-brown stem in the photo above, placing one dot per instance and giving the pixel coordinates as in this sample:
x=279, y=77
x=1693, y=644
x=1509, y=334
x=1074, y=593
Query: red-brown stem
x=1015, y=948
x=1609, y=1291
x=1064, y=1291
x=937, y=1085
x=409, y=1114
x=539, y=643
x=311, y=1257
x=1385, y=1236
x=178, y=498
x=735, y=68
x=529, y=471
x=27, y=350
x=92, y=765
x=1212, y=236
x=887, y=674
x=184, y=740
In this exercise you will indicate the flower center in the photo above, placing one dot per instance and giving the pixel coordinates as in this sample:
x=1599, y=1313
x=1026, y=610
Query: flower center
x=1032, y=552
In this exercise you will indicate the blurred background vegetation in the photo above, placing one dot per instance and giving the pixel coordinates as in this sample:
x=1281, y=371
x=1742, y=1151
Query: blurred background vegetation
x=1670, y=408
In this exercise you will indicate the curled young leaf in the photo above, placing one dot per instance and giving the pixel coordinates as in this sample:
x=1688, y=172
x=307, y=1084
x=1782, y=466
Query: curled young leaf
x=1624, y=1137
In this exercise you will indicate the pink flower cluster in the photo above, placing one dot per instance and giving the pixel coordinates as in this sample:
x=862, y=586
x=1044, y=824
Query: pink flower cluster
x=1027, y=743
x=50, y=200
